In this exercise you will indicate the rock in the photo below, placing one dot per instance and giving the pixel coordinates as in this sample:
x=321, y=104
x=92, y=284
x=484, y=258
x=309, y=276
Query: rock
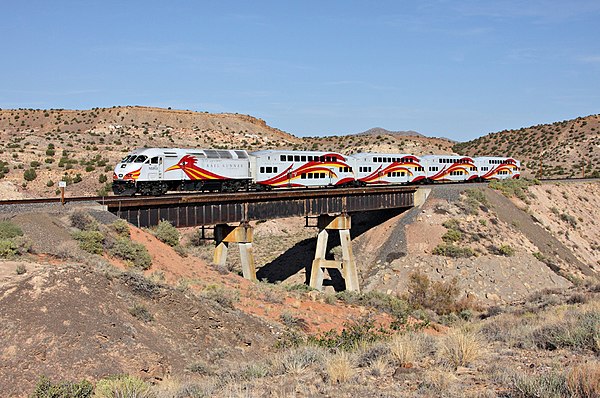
x=492, y=297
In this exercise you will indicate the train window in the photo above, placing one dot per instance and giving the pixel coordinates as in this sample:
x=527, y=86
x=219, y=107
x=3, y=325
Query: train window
x=309, y=175
x=282, y=158
x=154, y=160
x=262, y=169
x=322, y=158
x=303, y=176
x=296, y=158
x=269, y=170
x=140, y=159
x=274, y=169
x=402, y=174
x=322, y=175
x=303, y=158
x=310, y=158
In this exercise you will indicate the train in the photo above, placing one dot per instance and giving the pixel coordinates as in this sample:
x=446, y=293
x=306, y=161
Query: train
x=156, y=171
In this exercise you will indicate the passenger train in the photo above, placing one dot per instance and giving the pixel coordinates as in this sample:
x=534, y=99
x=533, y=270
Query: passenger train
x=155, y=171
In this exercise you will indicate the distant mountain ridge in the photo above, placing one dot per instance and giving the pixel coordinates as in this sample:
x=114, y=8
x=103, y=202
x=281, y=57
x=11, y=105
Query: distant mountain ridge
x=382, y=131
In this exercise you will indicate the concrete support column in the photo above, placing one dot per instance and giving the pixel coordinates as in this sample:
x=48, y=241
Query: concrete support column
x=347, y=266
x=243, y=236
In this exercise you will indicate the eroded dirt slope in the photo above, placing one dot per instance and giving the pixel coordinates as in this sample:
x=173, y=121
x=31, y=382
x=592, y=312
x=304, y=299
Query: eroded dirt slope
x=72, y=322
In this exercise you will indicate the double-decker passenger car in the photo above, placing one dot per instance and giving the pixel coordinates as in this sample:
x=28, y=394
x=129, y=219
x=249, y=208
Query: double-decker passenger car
x=449, y=168
x=280, y=168
x=154, y=171
x=387, y=168
x=497, y=168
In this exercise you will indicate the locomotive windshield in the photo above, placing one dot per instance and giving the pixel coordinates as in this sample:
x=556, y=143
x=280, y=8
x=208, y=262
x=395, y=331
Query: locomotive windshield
x=140, y=159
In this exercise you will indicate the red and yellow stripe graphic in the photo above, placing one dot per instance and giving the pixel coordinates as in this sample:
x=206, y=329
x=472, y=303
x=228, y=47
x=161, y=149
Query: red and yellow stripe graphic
x=289, y=175
x=188, y=165
x=464, y=165
x=379, y=174
x=133, y=175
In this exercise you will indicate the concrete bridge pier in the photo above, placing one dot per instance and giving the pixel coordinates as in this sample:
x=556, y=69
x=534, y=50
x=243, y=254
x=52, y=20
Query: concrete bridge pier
x=347, y=266
x=243, y=236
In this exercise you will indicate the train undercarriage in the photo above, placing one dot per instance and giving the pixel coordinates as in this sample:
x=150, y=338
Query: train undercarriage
x=157, y=188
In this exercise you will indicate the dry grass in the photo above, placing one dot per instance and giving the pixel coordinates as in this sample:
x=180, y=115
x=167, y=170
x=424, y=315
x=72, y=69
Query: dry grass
x=584, y=380
x=461, y=347
x=339, y=368
x=379, y=367
x=406, y=348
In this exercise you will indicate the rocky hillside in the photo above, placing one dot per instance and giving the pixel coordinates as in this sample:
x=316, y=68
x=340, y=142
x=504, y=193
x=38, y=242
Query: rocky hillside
x=41, y=147
x=570, y=148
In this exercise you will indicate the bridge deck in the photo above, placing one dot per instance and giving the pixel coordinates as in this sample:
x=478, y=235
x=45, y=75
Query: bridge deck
x=211, y=209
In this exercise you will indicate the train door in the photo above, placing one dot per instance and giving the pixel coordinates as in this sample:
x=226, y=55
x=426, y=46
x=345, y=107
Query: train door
x=155, y=168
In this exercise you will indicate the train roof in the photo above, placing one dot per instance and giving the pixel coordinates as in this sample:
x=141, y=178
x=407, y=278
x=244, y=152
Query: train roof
x=369, y=154
x=291, y=152
x=207, y=153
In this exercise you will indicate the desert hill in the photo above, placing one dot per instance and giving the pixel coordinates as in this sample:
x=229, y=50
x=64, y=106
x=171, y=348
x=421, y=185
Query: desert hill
x=562, y=149
x=82, y=146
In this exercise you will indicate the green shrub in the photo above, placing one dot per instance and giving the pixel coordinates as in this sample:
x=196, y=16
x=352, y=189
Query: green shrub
x=352, y=335
x=132, y=252
x=123, y=386
x=8, y=248
x=47, y=389
x=179, y=249
x=105, y=189
x=389, y=303
x=9, y=230
x=577, y=330
x=29, y=175
x=449, y=250
x=102, y=178
x=438, y=296
x=552, y=385
x=83, y=221
x=506, y=250
x=451, y=223
x=121, y=227
x=452, y=236
x=90, y=241
x=141, y=312
x=141, y=285
x=224, y=297
x=167, y=233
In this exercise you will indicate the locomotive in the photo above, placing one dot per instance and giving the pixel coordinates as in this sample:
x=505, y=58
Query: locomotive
x=154, y=171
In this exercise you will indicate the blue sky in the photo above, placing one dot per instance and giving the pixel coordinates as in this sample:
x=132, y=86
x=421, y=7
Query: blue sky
x=459, y=69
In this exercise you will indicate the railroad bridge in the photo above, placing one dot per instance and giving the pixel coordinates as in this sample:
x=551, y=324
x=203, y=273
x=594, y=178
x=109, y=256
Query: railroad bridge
x=230, y=214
